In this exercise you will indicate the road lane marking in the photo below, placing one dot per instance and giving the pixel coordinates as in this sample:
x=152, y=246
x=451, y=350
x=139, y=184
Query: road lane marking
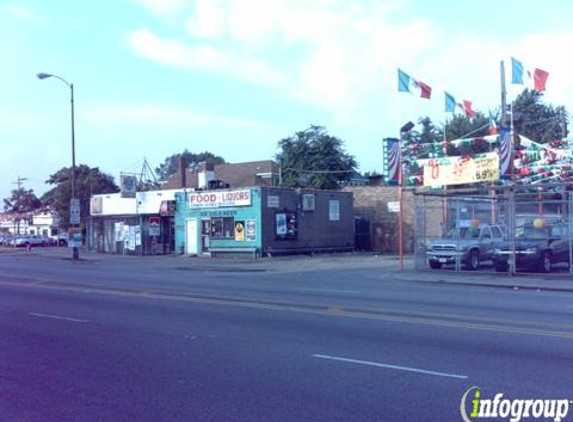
x=388, y=366
x=57, y=317
x=430, y=319
x=310, y=289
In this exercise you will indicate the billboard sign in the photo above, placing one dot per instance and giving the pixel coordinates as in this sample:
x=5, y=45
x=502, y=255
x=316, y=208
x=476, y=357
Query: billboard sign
x=461, y=170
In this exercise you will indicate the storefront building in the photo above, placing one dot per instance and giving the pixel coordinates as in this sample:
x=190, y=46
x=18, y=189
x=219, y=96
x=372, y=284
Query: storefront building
x=142, y=225
x=262, y=221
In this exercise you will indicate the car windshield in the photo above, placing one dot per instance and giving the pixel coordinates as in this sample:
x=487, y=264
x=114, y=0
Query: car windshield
x=530, y=232
x=471, y=232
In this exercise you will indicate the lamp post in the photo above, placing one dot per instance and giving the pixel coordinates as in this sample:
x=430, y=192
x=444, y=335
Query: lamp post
x=73, y=202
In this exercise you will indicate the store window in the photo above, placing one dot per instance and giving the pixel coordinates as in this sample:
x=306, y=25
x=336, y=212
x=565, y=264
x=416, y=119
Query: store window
x=223, y=228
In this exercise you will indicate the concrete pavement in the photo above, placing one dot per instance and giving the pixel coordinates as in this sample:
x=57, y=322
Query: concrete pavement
x=387, y=265
x=318, y=339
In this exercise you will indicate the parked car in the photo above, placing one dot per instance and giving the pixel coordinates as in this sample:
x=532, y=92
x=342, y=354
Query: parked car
x=6, y=239
x=49, y=241
x=29, y=240
x=471, y=245
x=536, y=248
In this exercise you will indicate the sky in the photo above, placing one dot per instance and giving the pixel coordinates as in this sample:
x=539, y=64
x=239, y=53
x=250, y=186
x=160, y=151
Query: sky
x=233, y=77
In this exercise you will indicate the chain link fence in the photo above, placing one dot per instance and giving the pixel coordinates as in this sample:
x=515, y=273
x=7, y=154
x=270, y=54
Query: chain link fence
x=514, y=230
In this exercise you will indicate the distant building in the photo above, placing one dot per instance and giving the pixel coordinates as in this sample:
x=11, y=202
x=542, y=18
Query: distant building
x=232, y=175
x=41, y=222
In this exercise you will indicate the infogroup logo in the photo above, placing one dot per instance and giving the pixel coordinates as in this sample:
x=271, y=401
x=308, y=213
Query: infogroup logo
x=512, y=409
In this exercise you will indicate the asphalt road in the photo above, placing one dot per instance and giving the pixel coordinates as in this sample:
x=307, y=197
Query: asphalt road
x=130, y=339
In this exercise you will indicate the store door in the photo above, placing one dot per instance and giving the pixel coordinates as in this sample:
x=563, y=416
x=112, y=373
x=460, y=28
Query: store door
x=205, y=235
x=191, y=237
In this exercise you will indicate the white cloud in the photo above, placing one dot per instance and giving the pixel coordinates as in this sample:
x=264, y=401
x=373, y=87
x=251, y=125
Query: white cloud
x=145, y=43
x=149, y=115
x=338, y=54
x=21, y=12
x=163, y=7
x=209, y=20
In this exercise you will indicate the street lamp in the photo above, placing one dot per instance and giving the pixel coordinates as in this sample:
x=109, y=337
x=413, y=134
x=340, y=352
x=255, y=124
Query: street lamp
x=73, y=202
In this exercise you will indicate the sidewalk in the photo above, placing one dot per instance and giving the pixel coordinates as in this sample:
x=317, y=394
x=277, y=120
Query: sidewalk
x=386, y=266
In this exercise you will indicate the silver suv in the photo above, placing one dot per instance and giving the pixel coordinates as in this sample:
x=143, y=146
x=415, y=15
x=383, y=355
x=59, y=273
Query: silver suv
x=470, y=245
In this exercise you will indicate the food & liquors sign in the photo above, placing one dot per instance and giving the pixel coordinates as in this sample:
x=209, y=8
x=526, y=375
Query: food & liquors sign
x=220, y=199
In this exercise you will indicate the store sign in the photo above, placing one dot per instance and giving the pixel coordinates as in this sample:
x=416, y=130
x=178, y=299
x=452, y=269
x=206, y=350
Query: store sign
x=154, y=226
x=461, y=170
x=128, y=186
x=219, y=199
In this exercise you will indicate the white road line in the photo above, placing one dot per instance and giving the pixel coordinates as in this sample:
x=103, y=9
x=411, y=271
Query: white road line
x=355, y=292
x=57, y=317
x=384, y=365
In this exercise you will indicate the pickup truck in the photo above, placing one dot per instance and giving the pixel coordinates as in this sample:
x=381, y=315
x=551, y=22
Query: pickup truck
x=29, y=239
x=470, y=245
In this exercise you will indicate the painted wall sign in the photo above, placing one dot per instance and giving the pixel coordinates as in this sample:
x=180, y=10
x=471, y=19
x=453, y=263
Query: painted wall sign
x=219, y=199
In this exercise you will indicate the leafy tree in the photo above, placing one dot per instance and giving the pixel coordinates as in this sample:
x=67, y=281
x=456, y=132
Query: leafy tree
x=171, y=163
x=21, y=202
x=313, y=158
x=88, y=181
x=537, y=121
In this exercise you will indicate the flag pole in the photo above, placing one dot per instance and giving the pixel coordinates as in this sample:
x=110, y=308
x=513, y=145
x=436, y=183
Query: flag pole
x=400, y=180
x=445, y=198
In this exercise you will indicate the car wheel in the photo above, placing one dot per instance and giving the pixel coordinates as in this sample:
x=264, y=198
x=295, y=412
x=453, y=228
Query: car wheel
x=546, y=262
x=473, y=260
x=435, y=265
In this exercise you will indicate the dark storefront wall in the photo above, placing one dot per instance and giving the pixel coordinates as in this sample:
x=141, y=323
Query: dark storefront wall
x=314, y=229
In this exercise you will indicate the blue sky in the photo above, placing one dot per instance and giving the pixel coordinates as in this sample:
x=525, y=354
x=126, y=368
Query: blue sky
x=153, y=77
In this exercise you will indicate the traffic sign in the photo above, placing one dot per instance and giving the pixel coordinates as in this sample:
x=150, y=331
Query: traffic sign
x=74, y=211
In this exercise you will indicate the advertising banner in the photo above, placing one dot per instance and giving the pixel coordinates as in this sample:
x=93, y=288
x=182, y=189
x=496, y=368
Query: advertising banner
x=251, y=230
x=239, y=231
x=461, y=170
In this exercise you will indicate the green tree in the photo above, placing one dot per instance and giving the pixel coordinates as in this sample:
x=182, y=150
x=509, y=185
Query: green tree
x=461, y=127
x=538, y=121
x=88, y=182
x=313, y=158
x=21, y=202
x=171, y=163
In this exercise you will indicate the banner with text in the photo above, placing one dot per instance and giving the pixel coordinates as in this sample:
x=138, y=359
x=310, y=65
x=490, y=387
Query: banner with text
x=218, y=199
x=461, y=170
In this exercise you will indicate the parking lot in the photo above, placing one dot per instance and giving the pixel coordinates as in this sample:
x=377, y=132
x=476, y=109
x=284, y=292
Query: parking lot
x=502, y=230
